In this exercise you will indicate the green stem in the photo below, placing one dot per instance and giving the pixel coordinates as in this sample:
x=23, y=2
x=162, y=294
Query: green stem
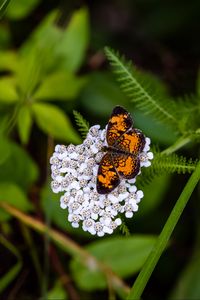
x=177, y=145
x=144, y=275
x=70, y=247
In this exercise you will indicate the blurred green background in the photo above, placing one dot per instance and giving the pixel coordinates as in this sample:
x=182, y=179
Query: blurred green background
x=51, y=63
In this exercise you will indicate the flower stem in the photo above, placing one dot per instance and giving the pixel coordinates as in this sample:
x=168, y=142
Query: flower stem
x=144, y=275
x=177, y=145
x=70, y=247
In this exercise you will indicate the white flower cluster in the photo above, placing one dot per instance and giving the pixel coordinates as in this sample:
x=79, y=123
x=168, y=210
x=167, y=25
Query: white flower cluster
x=74, y=172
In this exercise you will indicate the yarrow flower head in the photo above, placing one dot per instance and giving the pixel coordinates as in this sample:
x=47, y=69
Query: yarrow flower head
x=74, y=173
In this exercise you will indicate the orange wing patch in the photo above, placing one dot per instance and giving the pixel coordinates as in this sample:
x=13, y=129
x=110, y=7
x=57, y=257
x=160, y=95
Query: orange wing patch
x=131, y=142
x=120, y=121
x=127, y=166
x=122, y=157
x=107, y=177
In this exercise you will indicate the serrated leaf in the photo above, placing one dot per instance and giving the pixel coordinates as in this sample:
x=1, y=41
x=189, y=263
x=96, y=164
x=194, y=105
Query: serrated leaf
x=141, y=91
x=171, y=163
x=8, y=93
x=20, y=8
x=24, y=123
x=124, y=255
x=81, y=123
x=12, y=194
x=59, y=86
x=18, y=168
x=53, y=121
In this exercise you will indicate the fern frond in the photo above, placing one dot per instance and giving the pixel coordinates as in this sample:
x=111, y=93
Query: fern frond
x=189, y=112
x=139, y=90
x=166, y=164
x=173, y=164
x=124, y=229
x=81, y=123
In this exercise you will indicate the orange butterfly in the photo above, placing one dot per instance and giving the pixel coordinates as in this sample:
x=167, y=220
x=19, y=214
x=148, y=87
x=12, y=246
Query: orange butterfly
x=121, y=160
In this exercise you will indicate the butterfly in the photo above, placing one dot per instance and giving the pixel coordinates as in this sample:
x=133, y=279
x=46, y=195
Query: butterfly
x=121, y=159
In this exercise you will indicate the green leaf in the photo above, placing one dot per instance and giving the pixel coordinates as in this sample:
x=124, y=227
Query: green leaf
x=28, y=73
x=3, y=5
x=5, y=37
x=81, y=123
x=12, y=194
x=169, y=163
x=198, y=84
x=73, y=45
x=44, y=37
x=19, y=168
x=24, y=123
x=7, y=278
x=125, y=256
x=10, y=275
x=101, y=92
x=4, y=149
x=188, y=284
x=57, y=48
x=163, y=239
x=8, y=61
x=53, y=121
x=8, y=93
x=59, y=86
x=159, y=132
x=57, y=292
x=37, y=56
x=141, y=91
x=154, y=193
x=21, y=8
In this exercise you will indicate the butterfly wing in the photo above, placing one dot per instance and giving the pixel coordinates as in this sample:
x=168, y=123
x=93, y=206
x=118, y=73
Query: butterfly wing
x=107, y=177
x=120, y=121
x=132, y=142
x=127, y=166
x=126, y=144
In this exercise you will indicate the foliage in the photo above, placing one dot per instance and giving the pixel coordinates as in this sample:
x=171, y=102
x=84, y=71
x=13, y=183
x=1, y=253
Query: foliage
x=8, y=277
x=53, y=84
x=3, y=5
x=81, y=123
x=167, y=164
x=124, y=255
x=149, y=96
x=40, y=72
x=146, y=97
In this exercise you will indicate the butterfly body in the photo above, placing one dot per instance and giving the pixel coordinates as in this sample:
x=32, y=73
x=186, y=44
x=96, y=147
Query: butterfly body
x=121, y=159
